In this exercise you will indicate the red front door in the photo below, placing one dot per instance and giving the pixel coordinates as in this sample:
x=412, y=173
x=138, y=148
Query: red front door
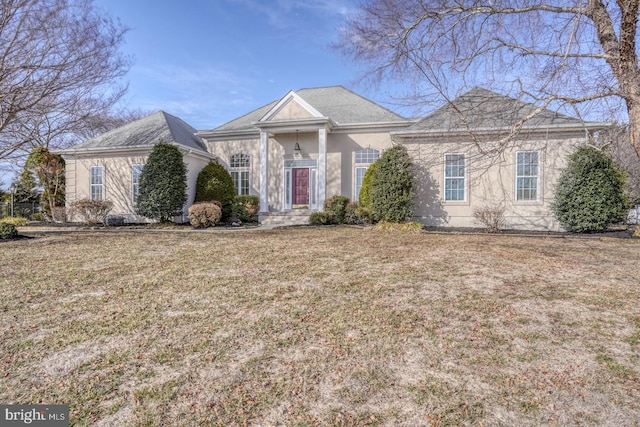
x=300, y=186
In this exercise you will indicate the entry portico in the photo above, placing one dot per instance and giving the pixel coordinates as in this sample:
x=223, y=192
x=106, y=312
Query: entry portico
x=303, y=147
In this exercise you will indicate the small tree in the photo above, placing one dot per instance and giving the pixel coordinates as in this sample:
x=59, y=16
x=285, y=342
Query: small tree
x=163, y=184
x=215, y=183
x=49, y=169
x=392, y=186
x=590, y=192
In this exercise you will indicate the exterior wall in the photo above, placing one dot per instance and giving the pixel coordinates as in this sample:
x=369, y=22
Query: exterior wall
x=490, y=182
x=341, y=148
x=118, y=184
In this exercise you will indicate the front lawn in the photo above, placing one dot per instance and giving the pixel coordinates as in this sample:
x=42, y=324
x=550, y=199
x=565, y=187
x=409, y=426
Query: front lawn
x=322, y=326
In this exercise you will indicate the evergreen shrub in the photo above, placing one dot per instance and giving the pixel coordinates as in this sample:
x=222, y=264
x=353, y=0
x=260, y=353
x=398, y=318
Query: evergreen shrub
x=215, y=183
x=337, y=206
x=163, y=184
x=391, y=197
x=245, y=207
x=7, y=230
x=322, y=218
x=589, y=194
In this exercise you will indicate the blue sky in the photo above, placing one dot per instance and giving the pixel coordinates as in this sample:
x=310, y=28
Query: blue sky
x=210, y=61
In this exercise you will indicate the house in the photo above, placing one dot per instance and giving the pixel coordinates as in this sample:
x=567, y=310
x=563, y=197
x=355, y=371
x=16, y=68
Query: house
x=488, y=151
x=482, y=150
x=107, y=167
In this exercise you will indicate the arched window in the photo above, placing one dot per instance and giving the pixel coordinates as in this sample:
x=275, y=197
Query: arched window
x=239, y=168
x=364, y=158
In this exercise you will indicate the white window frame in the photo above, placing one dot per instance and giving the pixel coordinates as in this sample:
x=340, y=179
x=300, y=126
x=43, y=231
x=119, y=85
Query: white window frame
x=135, y=181
x=457, y=178
x=522, y=175
x=241, y=174
x=362, y=159
x=96, y=186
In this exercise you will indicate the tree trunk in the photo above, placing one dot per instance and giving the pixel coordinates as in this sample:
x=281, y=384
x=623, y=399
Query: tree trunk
x=634, y=126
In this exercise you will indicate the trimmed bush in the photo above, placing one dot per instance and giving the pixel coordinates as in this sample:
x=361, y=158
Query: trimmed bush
x=246, y=207
x=492, y=218
x=7, y=230
x=92, y=211
x=204, y=214
x=38, y=216
x=322, y=218
x=18, y=221
x=392, y=186
x=351, y=214
x=364, y=214
x=590, y=192
x=364, y=198
x=215, y=183
x=163, y=184
x=337, y=206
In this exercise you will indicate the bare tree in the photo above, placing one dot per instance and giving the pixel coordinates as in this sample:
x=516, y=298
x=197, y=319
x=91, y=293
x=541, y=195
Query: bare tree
x=59, y=65
x=576, y=53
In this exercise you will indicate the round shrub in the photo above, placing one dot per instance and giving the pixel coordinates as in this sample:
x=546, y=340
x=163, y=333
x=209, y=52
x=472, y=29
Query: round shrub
x=215, y=183
x=392, y=186
x=337, y=206
x=7, y=230
x=322, y=218
x=351, y=214
x=204, y=214
x=245, y=207
x=590, y=192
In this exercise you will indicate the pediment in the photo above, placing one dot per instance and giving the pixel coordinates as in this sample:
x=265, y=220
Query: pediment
x=291, y=107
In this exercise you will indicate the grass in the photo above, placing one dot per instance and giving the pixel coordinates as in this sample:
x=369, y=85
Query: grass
x=322, y=326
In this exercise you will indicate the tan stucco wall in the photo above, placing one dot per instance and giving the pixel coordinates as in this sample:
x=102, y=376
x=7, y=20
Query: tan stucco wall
x=341, y=148
x=490, y=182
x=118, y=180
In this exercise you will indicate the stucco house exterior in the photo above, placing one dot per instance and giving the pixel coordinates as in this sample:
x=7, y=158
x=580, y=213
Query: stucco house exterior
x=481, y=150
x=107, y=167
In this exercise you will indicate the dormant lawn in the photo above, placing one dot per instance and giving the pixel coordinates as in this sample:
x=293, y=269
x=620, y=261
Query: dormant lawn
x=322, y=326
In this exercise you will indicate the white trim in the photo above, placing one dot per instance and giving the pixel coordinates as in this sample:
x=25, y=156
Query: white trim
x=537, y=176
x=322, y=166
x=445, y=177
x=291, y=96
x=264, y=171
x=100, y=185
x=133, y=182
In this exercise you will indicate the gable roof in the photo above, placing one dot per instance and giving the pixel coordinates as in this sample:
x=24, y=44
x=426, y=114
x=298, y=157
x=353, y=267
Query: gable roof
x=481, y=110
x=336, y=103
x=145, y=132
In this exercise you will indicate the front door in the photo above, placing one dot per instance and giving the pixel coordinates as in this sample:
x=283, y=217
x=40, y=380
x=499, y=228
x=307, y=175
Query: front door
x=300, y=186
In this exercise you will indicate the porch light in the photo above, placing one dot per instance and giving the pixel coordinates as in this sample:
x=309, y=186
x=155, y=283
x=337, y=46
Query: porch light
x=296, y=150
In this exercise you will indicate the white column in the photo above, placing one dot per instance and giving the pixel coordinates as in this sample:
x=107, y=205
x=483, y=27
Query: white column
x=264, y=171
x=322, y=166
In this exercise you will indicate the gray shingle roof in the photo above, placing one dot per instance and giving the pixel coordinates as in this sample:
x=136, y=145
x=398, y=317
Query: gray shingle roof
x=337, y=103
x=481, y=109
x=146, y=132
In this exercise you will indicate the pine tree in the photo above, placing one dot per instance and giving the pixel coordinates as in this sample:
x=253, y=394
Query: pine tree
x=163, y=184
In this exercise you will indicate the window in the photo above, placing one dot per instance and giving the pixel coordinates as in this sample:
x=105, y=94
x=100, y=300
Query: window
x=97, y=182
x=363, y=159
x=527, y=175
x=135, y=182
x=240, y=164
x=454, y=177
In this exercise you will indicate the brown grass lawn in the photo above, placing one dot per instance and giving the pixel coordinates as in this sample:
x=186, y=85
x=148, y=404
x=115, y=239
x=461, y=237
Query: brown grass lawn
x=322, y=326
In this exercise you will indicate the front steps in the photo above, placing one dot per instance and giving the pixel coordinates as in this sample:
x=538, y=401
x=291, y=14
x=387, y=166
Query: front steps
x=283, y=219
